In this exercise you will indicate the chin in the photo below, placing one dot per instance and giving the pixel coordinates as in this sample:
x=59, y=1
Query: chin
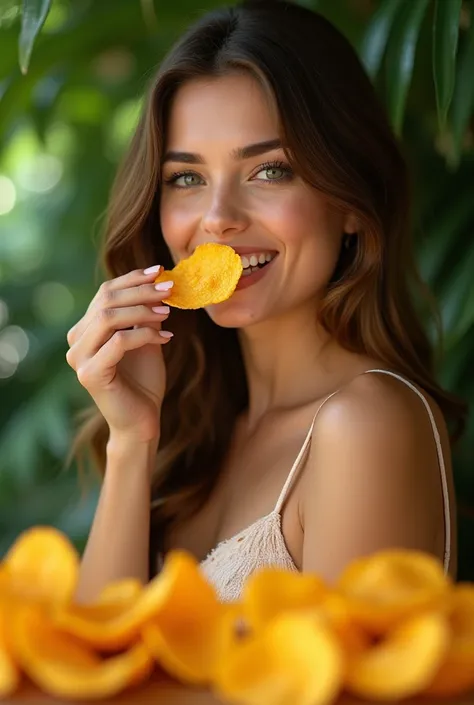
x=232, y=314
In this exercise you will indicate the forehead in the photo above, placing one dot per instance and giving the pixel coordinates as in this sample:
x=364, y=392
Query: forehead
x=227, y=109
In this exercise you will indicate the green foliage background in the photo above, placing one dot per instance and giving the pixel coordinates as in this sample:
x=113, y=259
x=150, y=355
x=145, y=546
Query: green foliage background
x=64, y=123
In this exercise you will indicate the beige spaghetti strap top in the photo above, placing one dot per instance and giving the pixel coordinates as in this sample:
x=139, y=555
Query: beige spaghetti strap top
x=262, y=544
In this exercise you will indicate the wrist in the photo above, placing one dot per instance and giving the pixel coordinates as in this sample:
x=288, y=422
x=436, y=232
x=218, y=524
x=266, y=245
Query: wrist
x=133, y=450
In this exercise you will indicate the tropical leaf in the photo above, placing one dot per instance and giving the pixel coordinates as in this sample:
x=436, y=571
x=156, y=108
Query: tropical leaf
x=445, y=44
x=33, y=18
x=376, y=36
x=462, y=105
x=401, y=57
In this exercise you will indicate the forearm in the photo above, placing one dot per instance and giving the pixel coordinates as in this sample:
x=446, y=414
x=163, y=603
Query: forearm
x=118, y=542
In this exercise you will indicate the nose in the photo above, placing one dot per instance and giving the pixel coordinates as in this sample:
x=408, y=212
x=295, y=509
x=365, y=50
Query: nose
x=224, y=216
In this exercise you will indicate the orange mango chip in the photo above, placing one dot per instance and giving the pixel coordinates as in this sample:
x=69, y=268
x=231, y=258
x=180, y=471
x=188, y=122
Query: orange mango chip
x=292, y=660
x=336, y=615
x=456, y=674
x=9, y=674
x=385, y=588
x=41, y=565
x=193, y=629
x=270, y=591
x=208, y=276
x=9, y=671
x=403, y=663
x=117, y=624
x=63, y=667
x=121, y=592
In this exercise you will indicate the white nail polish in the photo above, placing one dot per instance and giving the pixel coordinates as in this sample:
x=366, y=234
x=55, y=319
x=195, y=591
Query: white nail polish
x=155, y=268
x=163, y=286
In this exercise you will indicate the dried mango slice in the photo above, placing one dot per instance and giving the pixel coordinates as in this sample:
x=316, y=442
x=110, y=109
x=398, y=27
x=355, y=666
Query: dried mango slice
x=208, y=276
x=388, y=586
x=117, y=624
x=270, y=591
x=292, y=660
x=336, y=615
x=42, y=565
x=403, y=663
x=121, y=592
x=64, y=667
x=456, y=674
x=9, y=672
x=192, y=630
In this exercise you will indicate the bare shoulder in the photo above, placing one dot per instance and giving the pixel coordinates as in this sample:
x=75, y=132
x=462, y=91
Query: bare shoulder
x=378, y=400
x=372, y=478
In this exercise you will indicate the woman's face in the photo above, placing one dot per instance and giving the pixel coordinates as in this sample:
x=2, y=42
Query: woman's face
x=226, y=179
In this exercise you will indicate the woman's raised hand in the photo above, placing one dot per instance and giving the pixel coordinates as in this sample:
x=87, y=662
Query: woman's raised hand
x=115, y=350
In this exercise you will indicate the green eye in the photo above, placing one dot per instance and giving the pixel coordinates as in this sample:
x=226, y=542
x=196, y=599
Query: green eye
x=273, y=172
x=188, y=180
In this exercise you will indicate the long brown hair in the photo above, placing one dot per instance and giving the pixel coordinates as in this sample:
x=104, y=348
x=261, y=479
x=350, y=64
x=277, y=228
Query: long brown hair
x=339, y=140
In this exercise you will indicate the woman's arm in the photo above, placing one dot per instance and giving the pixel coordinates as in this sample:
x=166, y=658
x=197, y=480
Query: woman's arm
x=372, y=480
x=118, y=542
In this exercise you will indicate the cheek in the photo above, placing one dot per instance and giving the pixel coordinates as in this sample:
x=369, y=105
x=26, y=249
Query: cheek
x=309, y=228
x=177, y=225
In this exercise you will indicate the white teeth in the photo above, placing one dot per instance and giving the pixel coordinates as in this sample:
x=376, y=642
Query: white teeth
x=252, y=260
x=246, y=272
x=254, y=269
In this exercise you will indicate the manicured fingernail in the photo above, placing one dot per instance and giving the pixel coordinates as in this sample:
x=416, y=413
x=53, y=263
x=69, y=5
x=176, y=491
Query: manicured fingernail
x=155, y=268
x=166, y=333
x=160, y=309
x=164, y=286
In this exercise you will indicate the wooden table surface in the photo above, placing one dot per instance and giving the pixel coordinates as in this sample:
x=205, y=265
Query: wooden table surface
x=162, y=691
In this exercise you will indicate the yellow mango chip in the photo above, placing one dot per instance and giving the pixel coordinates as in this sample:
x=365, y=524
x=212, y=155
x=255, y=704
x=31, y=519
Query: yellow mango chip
x=385, y=588
x=66, y=668
x=117, y=624
x=270, y=591
x=403, y=663
x=292, y=660
x=42, y=565
x=456, y=674
x=192, y=630
x=208, y=276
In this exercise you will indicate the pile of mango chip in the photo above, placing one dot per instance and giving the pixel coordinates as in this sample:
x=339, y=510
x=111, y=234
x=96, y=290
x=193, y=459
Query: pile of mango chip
x=392, y=627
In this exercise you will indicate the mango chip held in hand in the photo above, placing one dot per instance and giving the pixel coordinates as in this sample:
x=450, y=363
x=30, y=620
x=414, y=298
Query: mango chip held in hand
x=208, y=276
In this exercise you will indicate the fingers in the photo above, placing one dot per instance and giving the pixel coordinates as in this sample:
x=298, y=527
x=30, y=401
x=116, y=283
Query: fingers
x=131, y=289
x=99, y=371
x=109, y=321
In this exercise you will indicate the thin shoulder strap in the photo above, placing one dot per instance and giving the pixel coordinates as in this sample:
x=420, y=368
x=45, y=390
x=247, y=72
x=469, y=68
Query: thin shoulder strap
x=442, y=467
x=300, y=457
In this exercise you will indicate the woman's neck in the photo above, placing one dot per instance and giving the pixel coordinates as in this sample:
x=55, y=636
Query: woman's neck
x=290, y=360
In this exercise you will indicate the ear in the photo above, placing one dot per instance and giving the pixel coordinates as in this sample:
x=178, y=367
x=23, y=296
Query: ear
x=351, y=224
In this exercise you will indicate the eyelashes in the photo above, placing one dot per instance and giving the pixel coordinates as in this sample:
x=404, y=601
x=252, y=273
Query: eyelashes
x=267, y=166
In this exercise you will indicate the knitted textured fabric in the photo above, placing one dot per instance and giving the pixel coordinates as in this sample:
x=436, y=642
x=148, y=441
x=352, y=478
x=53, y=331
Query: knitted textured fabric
x=231, y=562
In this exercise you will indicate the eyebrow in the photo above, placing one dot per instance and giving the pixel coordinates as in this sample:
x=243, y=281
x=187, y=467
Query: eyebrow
x=240, y=153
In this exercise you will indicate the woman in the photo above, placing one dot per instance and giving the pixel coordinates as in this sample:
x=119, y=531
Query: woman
x=299, y=422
